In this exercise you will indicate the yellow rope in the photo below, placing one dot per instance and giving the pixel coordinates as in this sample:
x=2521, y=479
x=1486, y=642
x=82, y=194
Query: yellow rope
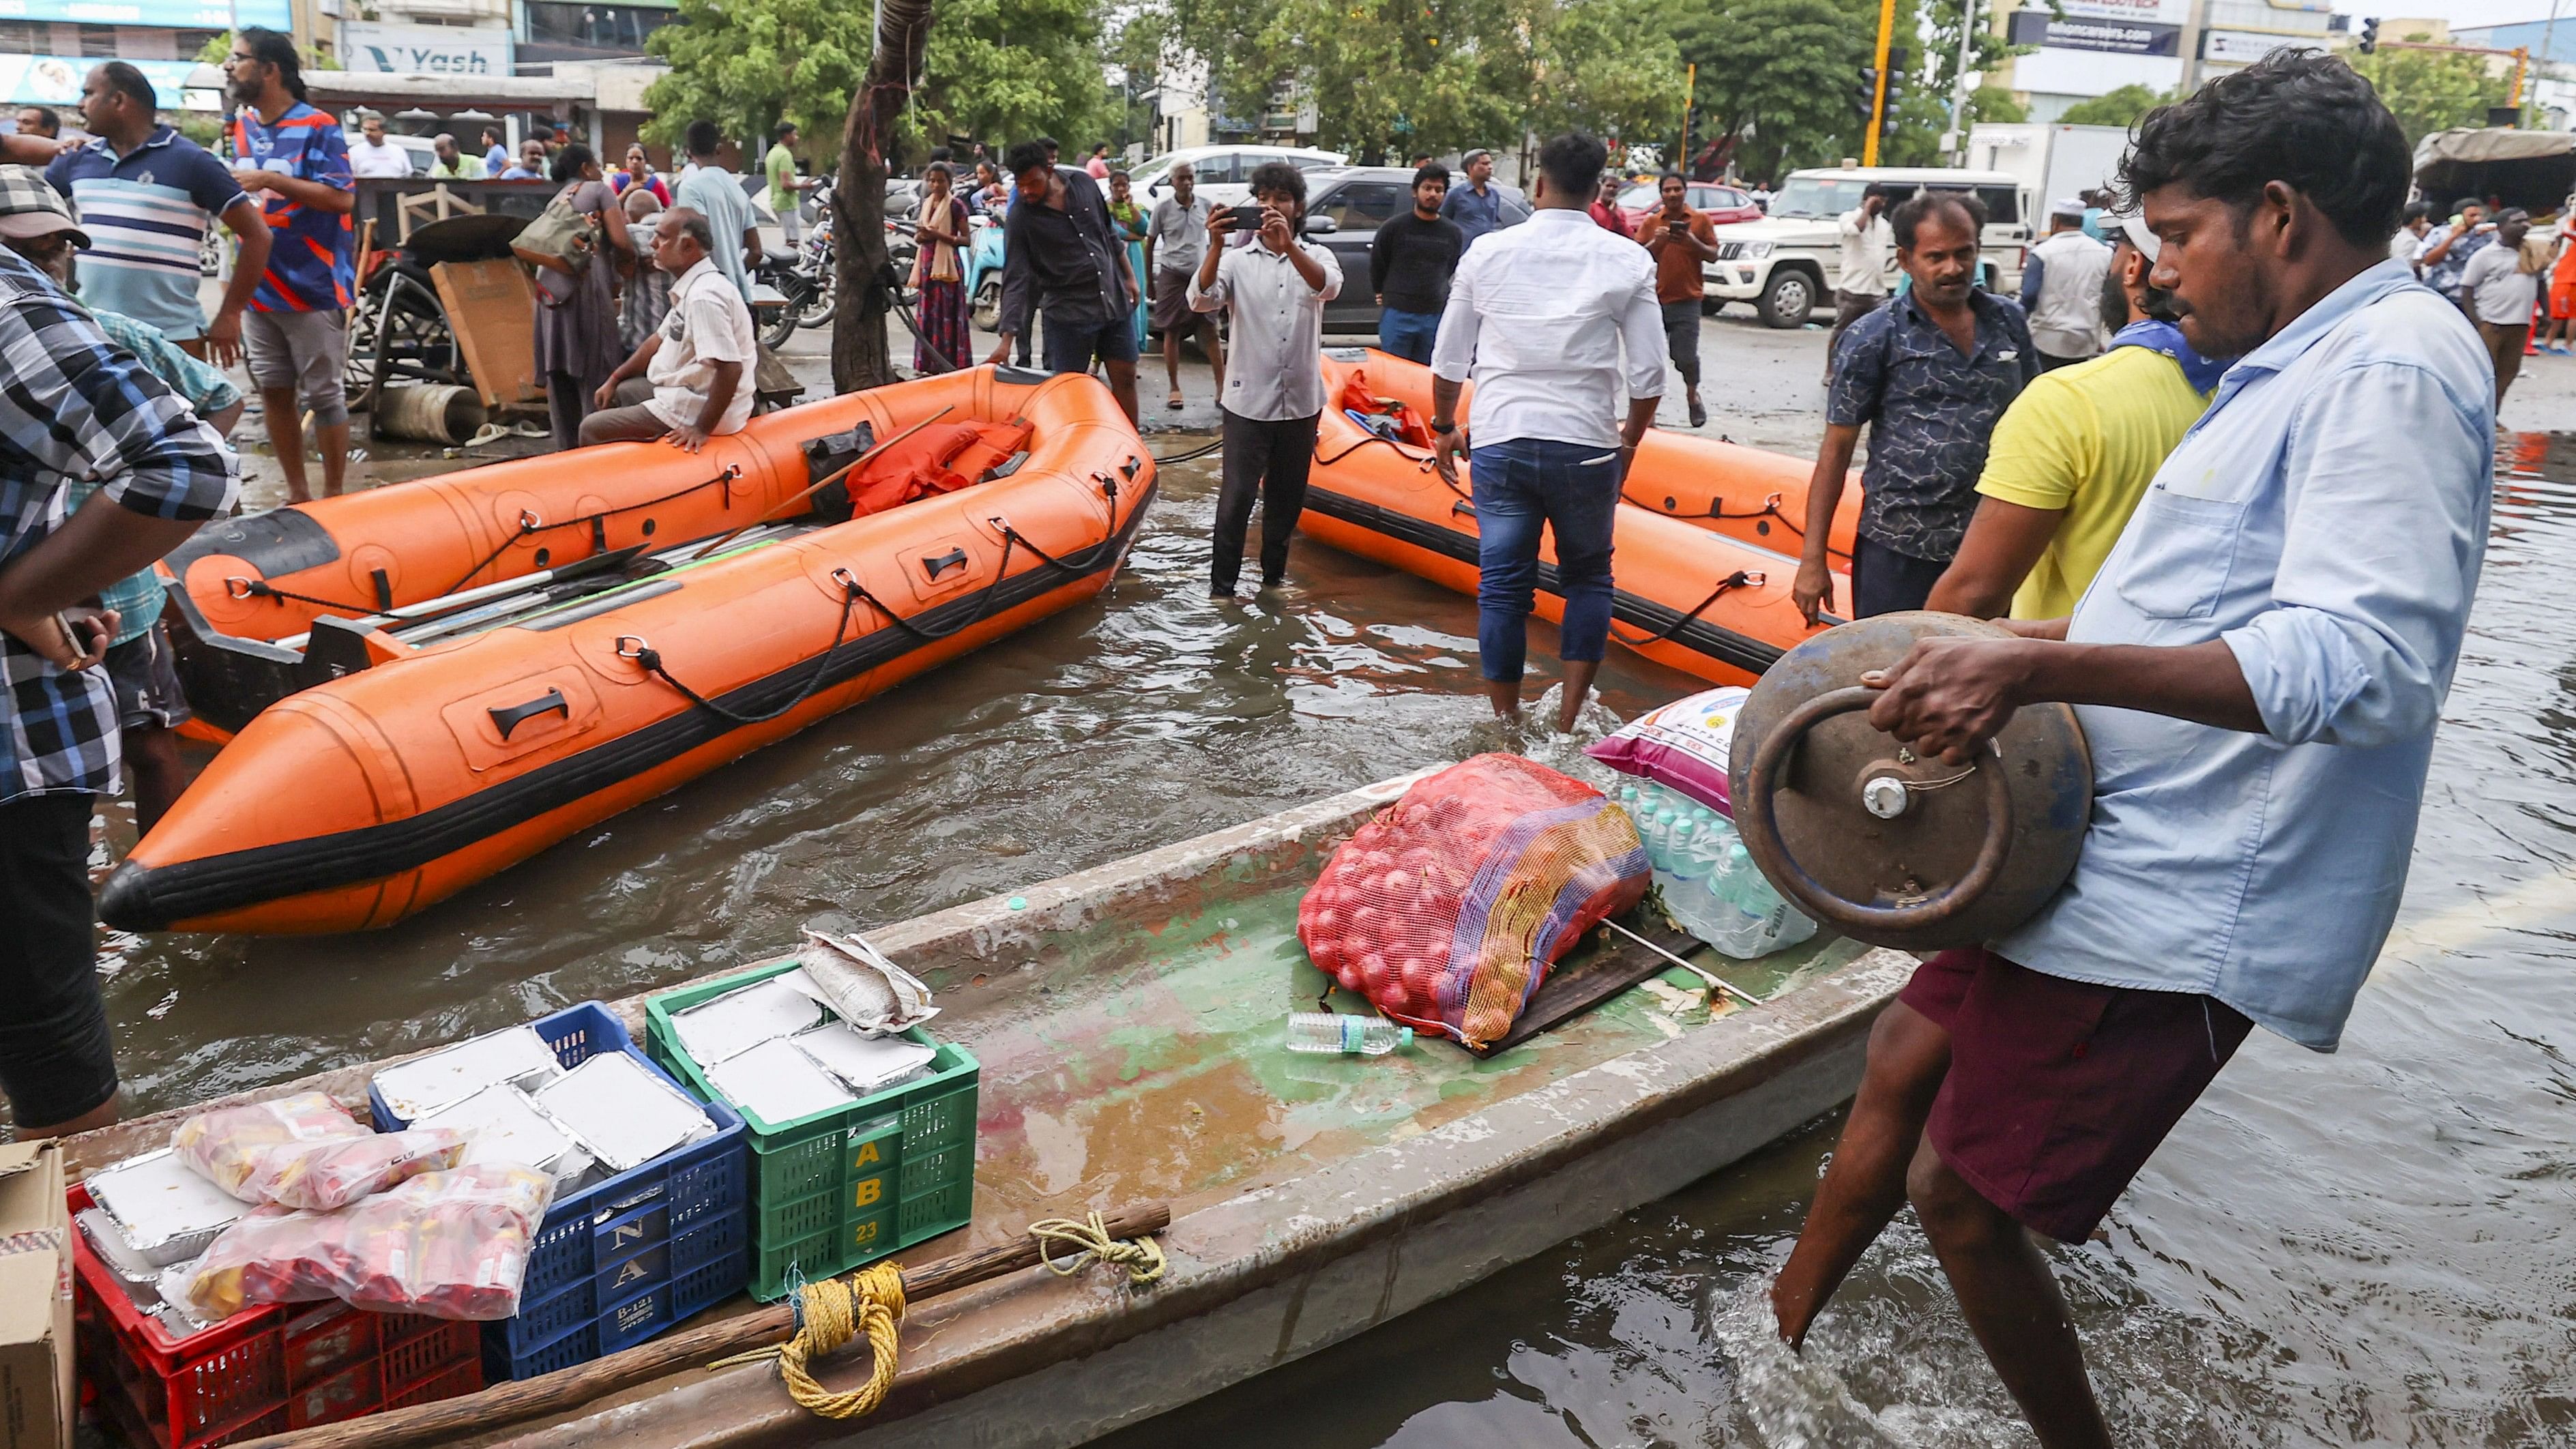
x=1142, y=1258
x=834, y=1311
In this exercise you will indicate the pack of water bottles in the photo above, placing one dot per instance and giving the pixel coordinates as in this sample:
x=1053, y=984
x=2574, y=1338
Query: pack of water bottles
x=1711, y=887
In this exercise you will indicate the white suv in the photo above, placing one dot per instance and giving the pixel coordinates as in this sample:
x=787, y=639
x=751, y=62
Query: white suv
x=1786, y=264
x=1225, y=172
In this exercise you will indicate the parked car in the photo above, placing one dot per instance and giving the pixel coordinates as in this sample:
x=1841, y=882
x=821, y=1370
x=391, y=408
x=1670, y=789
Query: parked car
x=1787, y=264
x=1225, y=171
x=1344, y=209
x=1725, y=205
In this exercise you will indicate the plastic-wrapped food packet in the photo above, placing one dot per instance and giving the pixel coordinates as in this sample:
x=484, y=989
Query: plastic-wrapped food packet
x=450, y=1244
x=304, y=1151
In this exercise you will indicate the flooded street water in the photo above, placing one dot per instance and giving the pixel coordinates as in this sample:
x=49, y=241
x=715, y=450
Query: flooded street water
x=1146, y=717
x=2366, y=1248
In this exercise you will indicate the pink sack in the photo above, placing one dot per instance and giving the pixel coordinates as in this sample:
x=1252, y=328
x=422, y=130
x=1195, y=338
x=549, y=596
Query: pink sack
x=1681, y=746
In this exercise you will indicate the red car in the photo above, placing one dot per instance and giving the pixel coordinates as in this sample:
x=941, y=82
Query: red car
x=1723, y=204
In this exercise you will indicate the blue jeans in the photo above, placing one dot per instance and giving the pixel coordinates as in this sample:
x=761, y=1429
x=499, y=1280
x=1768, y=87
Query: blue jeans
x=1408, y=334
x=1571, y=489
x=1070, y=346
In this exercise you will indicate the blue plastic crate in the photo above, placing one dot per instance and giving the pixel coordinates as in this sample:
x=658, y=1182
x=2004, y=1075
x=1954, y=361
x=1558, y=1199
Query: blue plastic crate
x=618, y=1262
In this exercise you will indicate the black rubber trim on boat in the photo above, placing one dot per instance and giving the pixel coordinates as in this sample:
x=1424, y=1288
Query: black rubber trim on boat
x=279, y=542
x=149, y=898
x=1742, y=651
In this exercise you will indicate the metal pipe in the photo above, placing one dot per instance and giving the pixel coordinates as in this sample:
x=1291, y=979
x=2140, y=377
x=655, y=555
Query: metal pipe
x=1712, y=978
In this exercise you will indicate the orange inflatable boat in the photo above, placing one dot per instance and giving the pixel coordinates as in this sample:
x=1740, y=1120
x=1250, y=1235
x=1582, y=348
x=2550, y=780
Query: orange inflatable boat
x=447, y=730
x=1691, y=592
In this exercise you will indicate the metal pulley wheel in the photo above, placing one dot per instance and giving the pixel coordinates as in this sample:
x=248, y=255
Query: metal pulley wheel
x=1882, y=846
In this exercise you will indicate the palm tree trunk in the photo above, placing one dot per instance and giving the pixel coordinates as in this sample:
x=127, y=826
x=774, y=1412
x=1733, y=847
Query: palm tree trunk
x=864, y=276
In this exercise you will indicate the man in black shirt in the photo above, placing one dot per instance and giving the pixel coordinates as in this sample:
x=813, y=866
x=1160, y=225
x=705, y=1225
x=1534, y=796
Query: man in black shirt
x=1409, y=267
x=1061, y=249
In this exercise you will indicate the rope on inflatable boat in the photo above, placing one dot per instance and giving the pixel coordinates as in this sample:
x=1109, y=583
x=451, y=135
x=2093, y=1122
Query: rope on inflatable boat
x=651, y=659
x=529, y=527
x=1735, y=580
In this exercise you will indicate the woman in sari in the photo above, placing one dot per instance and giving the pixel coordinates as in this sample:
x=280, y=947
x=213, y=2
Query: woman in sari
x=939, y=274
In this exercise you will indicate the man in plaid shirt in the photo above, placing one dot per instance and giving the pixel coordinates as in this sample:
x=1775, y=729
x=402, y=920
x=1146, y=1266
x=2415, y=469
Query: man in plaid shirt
x=73, y=407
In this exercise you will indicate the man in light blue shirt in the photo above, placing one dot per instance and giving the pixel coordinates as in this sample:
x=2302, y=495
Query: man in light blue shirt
x=2258, y=667
x=717, y=194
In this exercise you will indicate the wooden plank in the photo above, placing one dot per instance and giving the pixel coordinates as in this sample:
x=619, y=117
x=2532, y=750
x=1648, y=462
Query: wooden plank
x=492, y=309
x=1616, y=966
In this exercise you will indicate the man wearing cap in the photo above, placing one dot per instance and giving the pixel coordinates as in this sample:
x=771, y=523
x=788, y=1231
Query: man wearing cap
x=2075, y=452
x=37, y=224
x=1476, y=208
x=148, y=194
x=2061, y=289
x=77, y=407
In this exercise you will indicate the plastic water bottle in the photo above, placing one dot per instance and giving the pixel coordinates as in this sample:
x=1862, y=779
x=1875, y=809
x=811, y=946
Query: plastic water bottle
x=1687, y=859
x=1331, y=1033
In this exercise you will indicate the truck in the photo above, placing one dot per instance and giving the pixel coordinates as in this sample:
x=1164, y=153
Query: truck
x=2057, y=162
x=1788, y=263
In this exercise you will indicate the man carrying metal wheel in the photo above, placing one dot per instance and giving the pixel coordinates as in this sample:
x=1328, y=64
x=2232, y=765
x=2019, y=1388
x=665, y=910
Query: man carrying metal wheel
x=2258, y=669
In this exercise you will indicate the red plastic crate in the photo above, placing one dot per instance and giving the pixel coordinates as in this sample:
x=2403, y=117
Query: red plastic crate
x=270, y=1368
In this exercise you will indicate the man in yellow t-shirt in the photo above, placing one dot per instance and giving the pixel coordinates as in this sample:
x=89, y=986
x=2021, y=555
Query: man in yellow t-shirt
x=2075, y=452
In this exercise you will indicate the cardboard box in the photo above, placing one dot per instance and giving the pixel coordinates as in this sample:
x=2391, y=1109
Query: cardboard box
x=37, y=1393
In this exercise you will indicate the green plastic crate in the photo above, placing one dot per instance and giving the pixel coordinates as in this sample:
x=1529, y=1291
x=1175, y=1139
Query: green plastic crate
x=848, y=1186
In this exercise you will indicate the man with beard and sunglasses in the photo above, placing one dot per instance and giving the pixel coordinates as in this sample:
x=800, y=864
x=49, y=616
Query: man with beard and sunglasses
x=2258, y=668
x=2075, y=452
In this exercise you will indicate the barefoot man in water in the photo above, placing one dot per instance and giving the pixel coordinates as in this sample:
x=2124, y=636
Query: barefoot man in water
x=2258, y=667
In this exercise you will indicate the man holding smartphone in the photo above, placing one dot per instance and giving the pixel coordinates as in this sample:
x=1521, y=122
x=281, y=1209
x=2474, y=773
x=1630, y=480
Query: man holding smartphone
x=1274, y=290
x=78, y=406
x=1681, y=237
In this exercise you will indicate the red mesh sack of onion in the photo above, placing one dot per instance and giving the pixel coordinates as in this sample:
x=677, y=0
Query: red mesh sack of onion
x=1447, y=910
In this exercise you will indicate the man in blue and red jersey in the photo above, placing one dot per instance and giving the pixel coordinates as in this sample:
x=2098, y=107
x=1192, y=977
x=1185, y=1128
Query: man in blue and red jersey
x=297, y=161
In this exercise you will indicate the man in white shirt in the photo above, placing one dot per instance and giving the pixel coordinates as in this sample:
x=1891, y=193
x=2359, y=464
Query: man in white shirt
x=1860, y=282
x=2061, y=289
x=1541, y=314
x=1274, y=291
x=373, y=155
x=1174, y=242
x=2501, y=294
x=696, y=367
x=2412, y=226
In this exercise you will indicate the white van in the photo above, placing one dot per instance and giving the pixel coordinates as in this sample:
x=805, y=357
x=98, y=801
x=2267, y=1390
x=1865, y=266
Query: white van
x=1786, y=264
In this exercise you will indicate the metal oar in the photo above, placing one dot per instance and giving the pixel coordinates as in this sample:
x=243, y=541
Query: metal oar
x=1714, y=981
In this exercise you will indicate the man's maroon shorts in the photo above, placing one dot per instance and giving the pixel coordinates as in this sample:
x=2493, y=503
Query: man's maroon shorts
x=2058, y=1090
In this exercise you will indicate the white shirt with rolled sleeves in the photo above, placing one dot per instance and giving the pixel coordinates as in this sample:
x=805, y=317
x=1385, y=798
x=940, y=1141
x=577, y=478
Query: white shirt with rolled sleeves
x=1274, y=362
x=2327, y=518
x=1538, y=314
x=707, y=324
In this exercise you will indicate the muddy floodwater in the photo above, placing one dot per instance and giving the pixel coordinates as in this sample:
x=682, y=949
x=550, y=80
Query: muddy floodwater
x=2365, y=1248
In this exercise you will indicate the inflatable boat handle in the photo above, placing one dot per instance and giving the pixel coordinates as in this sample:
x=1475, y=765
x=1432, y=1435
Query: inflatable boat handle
x=506, y=718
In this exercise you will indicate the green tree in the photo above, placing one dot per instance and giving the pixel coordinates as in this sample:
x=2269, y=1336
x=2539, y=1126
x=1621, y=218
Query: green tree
x=2122, y=107
x=2432, y=90
x=1012, y=72
x=749, y=64
x=1436, y=75
x=1777, y=77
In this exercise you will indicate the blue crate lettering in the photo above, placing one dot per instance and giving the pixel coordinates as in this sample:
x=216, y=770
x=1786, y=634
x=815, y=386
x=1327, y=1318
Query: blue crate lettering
x=618, y=1262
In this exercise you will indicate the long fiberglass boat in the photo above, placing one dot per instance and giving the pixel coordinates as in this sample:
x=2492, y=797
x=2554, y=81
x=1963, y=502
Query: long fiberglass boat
x=434, y=681
x=1705, y=545
x=1128, y=1023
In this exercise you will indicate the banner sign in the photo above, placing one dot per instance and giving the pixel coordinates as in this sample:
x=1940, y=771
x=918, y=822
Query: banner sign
x=55, y=80
x=2085, y=32
x=177, y=14
x=433, y=49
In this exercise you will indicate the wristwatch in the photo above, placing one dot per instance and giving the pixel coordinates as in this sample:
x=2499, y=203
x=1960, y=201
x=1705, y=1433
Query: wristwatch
x=1443, y=429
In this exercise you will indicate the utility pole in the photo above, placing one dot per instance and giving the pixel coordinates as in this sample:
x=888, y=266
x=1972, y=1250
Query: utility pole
x=1690, y=95
x=1878, y=87
x=2193, y=26
x=1955, y=145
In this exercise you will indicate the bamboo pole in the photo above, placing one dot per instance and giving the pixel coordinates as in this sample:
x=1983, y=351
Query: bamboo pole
x=505, y=1404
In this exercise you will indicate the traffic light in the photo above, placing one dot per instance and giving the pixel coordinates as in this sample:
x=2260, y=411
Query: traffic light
x=1865, y=99
x=1895, y=87
x=2369, y=34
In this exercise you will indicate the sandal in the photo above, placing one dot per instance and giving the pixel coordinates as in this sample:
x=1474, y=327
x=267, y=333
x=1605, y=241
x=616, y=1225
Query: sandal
x=1175, y=403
